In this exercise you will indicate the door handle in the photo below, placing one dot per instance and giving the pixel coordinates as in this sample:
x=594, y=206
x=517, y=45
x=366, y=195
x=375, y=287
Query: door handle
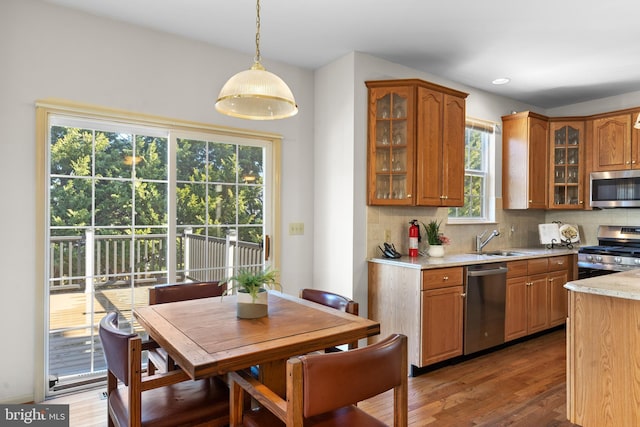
x=267, y=247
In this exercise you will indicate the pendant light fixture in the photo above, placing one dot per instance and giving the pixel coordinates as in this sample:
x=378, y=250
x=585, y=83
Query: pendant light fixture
x=256, y=94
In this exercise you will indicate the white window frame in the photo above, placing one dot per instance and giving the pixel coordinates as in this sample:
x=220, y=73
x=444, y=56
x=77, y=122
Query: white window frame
x=489, y=154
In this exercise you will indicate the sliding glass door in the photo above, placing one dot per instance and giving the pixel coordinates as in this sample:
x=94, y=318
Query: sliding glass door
x=131, y=206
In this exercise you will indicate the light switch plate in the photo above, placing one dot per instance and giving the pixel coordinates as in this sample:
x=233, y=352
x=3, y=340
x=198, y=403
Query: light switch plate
x=296, y=228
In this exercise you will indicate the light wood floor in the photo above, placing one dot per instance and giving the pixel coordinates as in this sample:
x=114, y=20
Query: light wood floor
x=521, y=386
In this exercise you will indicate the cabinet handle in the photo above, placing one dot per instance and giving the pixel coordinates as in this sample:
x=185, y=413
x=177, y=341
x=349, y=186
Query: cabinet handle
x=530, y=201
x=445, y=277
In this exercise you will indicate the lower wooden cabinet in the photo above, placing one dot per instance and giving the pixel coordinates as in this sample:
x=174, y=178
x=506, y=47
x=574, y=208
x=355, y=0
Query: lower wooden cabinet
x=536, y=298
x=558, y=296
x=442, y=322
x=425, y=305
x=428, y=305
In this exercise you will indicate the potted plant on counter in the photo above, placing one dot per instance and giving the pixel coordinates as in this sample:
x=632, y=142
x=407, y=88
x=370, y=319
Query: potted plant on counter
x=251, y=287
x=435, y=238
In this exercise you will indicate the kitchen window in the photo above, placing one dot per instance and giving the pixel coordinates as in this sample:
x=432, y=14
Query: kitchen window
x=479, y=172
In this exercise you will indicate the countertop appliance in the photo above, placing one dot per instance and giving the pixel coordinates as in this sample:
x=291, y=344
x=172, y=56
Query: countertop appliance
x=484, y=306
x=618, y=249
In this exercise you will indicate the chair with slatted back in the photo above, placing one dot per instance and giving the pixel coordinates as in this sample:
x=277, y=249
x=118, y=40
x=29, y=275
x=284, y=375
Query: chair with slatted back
x=161, y=294
x=323, y=389
x=330, y=299
x=162, y=400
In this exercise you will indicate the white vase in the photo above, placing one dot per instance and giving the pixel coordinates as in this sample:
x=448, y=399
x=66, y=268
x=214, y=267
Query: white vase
x=247, y=308
x=436, y=251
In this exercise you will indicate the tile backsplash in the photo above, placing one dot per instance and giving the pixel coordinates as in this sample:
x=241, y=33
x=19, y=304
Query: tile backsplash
x=518, y=228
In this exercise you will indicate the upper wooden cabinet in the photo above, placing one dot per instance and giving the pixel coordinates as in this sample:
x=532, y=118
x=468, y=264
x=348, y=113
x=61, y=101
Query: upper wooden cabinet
x=612, y=148
x=524, y=161
x=566, y=173
x=440, y=153
x=415, y=152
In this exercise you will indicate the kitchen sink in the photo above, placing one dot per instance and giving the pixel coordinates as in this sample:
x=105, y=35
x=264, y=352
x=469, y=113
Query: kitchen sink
x=503, y=253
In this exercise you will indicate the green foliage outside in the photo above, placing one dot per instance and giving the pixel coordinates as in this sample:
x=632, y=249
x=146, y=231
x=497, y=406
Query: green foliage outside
x=219, y=186
x=475, y=141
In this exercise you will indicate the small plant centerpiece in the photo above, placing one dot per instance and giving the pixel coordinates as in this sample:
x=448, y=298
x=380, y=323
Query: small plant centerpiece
x=251, y=289
x=435, y=238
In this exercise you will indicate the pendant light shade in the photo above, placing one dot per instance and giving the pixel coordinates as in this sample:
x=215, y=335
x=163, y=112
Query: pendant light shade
x=256, y=94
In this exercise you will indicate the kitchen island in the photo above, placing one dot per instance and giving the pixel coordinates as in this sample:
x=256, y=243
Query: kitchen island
x=603, y=350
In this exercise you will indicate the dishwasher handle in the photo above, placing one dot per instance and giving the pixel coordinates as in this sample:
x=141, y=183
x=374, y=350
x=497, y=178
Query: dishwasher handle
x=477, y=273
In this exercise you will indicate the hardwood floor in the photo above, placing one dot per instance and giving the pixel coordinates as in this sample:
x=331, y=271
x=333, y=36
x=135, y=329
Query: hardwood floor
x=522, y=385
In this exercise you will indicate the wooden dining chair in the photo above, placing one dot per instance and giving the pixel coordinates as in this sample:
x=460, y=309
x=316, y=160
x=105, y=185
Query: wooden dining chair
x=162, y=400
x=323, y=389
x=161, y=294
x=330, y=299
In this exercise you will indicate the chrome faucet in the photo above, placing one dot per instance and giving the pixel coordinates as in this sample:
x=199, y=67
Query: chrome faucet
x=481, y=244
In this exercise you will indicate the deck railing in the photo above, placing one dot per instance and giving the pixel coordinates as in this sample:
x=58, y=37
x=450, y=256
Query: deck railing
x=79, y=262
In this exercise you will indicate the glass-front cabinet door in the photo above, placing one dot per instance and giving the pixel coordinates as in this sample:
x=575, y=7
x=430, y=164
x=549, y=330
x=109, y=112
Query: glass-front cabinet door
x=567, y=165
x=391, y=145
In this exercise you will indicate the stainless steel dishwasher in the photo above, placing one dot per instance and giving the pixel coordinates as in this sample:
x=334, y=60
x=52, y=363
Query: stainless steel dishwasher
x=484, y=307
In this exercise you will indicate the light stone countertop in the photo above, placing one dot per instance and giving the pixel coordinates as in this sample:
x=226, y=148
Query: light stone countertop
x=457, y=260
x=619, y=285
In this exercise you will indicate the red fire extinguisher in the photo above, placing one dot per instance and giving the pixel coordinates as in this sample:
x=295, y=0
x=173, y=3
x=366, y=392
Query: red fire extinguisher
x=414, y=238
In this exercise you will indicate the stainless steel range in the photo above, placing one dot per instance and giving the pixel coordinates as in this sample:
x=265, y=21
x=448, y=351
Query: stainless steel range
x=618, y=250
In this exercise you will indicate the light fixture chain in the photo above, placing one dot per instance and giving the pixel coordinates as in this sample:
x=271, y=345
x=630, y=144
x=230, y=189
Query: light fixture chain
x=257, y=59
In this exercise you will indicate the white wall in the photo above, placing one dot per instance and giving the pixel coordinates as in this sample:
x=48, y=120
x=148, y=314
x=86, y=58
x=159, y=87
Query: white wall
x=334, y=159
x=48, y=51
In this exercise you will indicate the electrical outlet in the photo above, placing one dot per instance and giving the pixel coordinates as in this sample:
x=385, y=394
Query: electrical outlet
x=387, y=236
x=296, y=228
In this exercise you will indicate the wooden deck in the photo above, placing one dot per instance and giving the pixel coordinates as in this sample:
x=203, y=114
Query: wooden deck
x=74, y=346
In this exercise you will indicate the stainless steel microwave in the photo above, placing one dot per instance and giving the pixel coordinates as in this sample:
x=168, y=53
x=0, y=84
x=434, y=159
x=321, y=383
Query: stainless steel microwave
x=615, y=189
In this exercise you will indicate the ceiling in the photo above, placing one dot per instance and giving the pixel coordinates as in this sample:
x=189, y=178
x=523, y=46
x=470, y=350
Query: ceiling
x=556, y=52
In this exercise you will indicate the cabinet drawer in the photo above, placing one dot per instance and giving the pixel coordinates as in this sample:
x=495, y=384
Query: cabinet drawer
x=442, y=277
x=557, y=263
x=517, y=268
x=537, y=265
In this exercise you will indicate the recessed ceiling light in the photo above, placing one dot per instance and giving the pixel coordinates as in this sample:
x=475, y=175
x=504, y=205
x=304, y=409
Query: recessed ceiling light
x=501, y=81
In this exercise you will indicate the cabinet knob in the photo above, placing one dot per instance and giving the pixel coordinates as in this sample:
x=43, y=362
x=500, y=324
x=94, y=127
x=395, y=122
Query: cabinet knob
x=530, y=201
x=581, y=202
x=627, y=162
x=463, y=295
x=408, y=196
x=445, y=277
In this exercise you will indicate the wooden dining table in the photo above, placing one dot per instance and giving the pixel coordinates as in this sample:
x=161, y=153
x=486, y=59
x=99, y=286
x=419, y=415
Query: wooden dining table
x=206, y=338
